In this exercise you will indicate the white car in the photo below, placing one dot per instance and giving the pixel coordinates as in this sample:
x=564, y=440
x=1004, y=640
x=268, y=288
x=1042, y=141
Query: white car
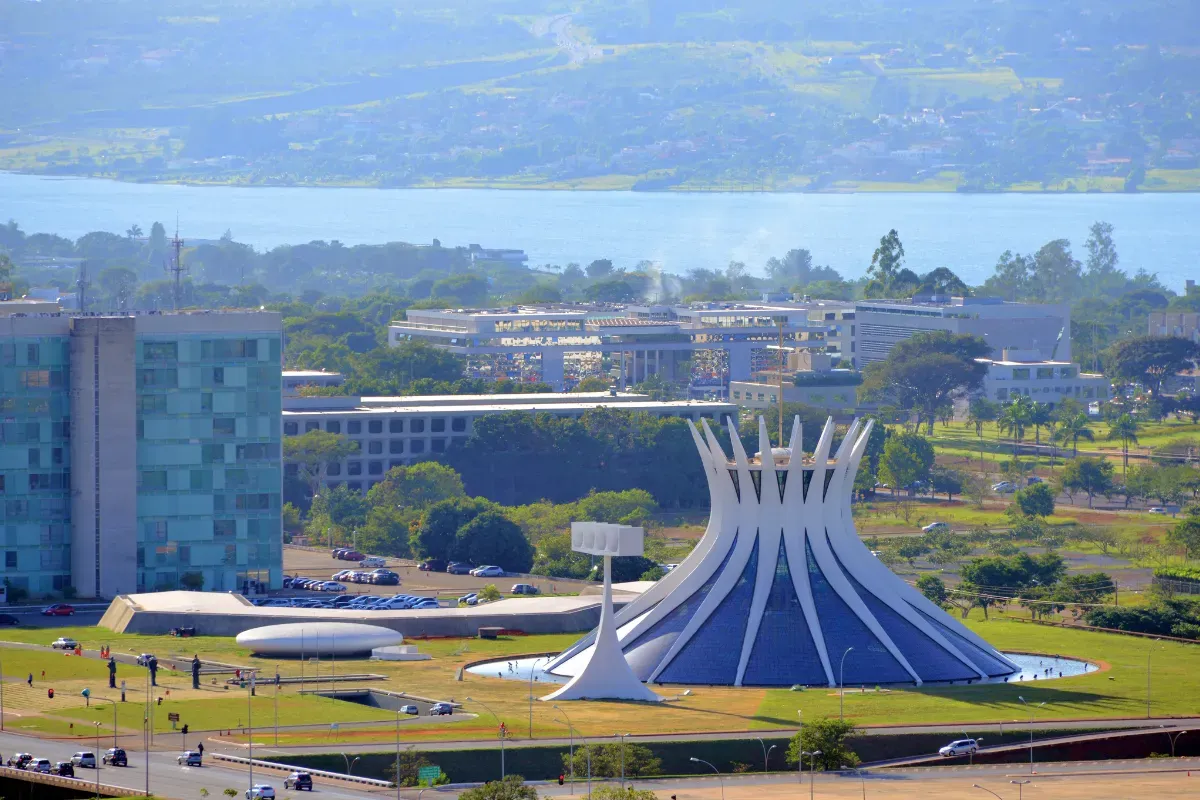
x=1004, y=487
x=84, y=759
x=42, y=765
x=1156, y=510
x=261, y=791
x=488, y=572
x=961, y=747
x=64, y=643
x=331, y=586
x=937, y=527
x=373, y=561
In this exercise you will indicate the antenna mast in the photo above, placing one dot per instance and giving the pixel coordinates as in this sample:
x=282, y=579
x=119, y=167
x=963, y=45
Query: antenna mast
x=81, y=287
x=176, y=268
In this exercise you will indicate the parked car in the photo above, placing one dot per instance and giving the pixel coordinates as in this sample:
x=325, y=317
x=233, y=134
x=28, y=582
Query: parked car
x=19, y=760
x=488, y=571
x=352, y=555
x=341, y=575
x=58, y=610
x=459, y=568
x=261, y=791
x=332, y=586
x=524, y=588
x=440, y=709
x=299, y=781
x=425, y=603
x=373, y=561
x=115, y=757
x=144, y=659
x=937, y=527
x=84, y=759
x=64, y=643
x=190, y=758
x=340, y=552
x=960, y=747
x=385, y=577
x=1004, y=487
x=469, y=599
x=1156, y=510
x=42, y=765
x=9, y=619
x=432, y=565
x=409, y=709
x=63, y=769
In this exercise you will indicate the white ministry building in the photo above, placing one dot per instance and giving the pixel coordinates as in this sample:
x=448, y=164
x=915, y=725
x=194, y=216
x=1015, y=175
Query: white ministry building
x=781, y=591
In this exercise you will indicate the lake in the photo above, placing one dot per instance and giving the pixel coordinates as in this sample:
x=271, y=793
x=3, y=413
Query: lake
x=965, y=232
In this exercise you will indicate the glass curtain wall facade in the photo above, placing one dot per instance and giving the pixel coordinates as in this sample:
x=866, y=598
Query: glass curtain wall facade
x=209, y=479
x=35, y=491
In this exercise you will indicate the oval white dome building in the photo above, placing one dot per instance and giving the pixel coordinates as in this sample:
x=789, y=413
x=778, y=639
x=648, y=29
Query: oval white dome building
x=304, y=639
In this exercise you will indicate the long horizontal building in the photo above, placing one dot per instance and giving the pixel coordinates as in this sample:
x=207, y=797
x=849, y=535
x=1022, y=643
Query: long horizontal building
x=561, y=344
x=139, y=451
x=396, y=431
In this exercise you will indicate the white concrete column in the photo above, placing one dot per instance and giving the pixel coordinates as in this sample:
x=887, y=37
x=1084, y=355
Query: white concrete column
x=552, y=368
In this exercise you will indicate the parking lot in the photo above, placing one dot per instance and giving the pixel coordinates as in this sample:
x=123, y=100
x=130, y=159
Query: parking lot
x=320, y=564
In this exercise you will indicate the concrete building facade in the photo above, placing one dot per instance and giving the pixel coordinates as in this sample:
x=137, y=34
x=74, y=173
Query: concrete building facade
x=140, y=452
x=1019, y=372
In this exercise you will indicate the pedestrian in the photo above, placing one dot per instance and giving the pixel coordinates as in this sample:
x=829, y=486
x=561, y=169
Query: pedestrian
x=29, y=680
x=152, y=664
x=112, y=673
x=200, y=749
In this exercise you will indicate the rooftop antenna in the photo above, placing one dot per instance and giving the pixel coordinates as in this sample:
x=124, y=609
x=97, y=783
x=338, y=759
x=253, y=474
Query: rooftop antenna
x=176, y=267
x=81, y=287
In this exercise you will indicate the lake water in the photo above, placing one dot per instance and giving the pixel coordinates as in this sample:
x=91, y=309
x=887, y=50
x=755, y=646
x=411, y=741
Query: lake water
x=967, y=233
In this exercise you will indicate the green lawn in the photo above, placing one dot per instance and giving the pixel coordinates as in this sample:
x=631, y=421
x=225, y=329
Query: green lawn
x=1115, y=692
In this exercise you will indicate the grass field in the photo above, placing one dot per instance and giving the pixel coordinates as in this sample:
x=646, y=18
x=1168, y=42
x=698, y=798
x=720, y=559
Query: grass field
x=1119, y=690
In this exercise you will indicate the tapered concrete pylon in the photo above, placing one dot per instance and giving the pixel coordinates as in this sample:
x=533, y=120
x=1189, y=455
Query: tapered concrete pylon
x=607, y=675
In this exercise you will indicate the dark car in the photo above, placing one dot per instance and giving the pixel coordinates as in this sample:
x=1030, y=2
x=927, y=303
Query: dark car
x=385, y=577
x=9, y=619
x=352, y=555
x=63, y=769
x=115, y=757
x=433, y=565
x=459, y=568
x=299, y=781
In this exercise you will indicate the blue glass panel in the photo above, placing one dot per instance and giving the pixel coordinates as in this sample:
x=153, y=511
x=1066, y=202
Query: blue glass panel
x=711, y=656
x=931, y=661
x=870, y=663
x=982, y=658
x=784, y=652
x=646, y=651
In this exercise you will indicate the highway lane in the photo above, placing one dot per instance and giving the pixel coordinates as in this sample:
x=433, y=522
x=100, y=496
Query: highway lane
x=167, y=777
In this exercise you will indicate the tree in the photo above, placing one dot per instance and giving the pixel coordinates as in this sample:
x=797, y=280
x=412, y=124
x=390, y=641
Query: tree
x=828, y=736
x=619, y=793
x=134, y=231
x=926, y=372
x=510, y=787
x=1090, y=475
x=1102, y=275
x=312, y=452
x=1073, y=426
x=492, y=538
x=489, y=593
x=119, y=284
x=949, y=481
x=934, y=589
x=468, y=288
x=1036, y=500
x=1125, y=428
x=1150, y=360
x=886, y=262
x=437, y=535
x=192, y=581
x=606, y=760
x=980, y=412
x=417, y=486
x=1055, y=275
x=600, y=268
x=1040, y=416
x=592, y=383
x=410, y=765
x=907, y=458
x=1186, y=535
x=1015, y=418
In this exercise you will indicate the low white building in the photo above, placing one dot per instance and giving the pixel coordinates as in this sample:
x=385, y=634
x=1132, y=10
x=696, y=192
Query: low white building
x=296, y=379
x=1022, y=372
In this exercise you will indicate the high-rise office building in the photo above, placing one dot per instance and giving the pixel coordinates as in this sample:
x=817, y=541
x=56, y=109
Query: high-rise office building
x=139, y=452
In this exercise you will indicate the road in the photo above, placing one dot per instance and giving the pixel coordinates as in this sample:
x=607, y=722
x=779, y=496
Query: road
x=167, y=777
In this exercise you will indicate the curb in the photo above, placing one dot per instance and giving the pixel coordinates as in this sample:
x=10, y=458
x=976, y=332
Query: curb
x=314, y=772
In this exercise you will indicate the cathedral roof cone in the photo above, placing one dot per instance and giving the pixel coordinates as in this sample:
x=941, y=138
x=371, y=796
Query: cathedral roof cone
x=780, y=587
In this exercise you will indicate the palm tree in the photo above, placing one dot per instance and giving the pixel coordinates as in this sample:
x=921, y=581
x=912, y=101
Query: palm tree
x=979, y=413
x=1040, y=414
x=1071, y=428
x=1014, y=419
x=1124, y=428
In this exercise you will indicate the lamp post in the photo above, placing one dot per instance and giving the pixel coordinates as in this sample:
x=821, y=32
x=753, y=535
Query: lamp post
x=862, y=776
x=277, y=705
x=1, y=694
x=97, y=724
x=531, y=667
x=1020, y=788
x=842, y=686
x=1032, y=709
x=622, y=735
x=812, y=767
x=397, y=754
x=800, y=740
x=250, y=728
x=571, y=733
x=349, y=764
x=720, y=779
x=1174, y=739
x=499, y=728
x=114, y=705
x=145, y=731
x=989, y=791
x=766, y=752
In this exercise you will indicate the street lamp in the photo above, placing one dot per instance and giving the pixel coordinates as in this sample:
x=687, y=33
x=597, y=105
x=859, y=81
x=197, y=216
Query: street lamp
x=842, y=687
x=114, y=705
x=97, y=724
x=622, y=735
x=720, y=779
x=349, y=764
x=766, y=752
x=800, y=743
x=397, y=754
x=1174, y=739
x=1032, y=710
x=989, y=791
x=812, y=767
x=1148, y=654
x=500, y=730
x=1020, y=788
x=571, y=733
x=862, y=776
